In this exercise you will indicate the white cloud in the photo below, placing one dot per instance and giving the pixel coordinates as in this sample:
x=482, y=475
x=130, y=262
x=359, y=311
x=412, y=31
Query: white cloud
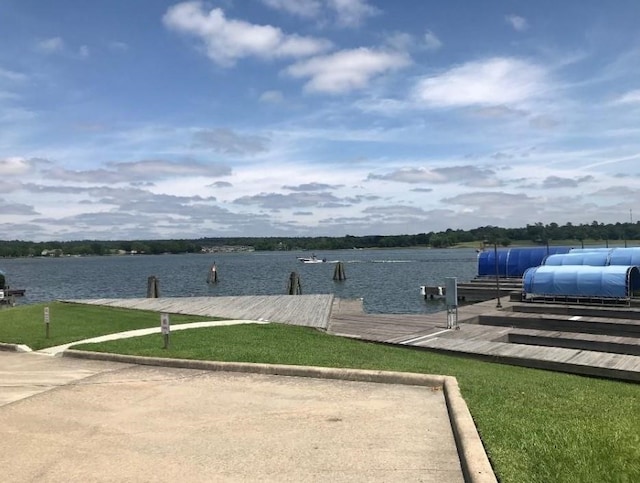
x=631, y=97
x=145, y=170
x=301, y=8
x=467, y=174
x=494, y=81
x=228, y=40
x=50, y=46
x=517, y=22
x=431, y=41
x=12, y=75
x=400, y=41
x=15, y=166
x=346, y=70
x=346, y=13
x=84, y=51
x=351, y=13
x=229, y=142
x=271, y=97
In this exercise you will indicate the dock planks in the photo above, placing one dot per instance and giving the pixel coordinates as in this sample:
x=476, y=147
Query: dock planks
x=304, y=310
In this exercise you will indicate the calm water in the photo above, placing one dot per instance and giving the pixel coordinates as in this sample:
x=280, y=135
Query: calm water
x=388, y=280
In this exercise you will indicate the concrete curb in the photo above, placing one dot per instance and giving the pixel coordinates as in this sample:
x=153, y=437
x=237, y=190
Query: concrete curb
x=473, y=458
x=475, y=462
x=14, y=347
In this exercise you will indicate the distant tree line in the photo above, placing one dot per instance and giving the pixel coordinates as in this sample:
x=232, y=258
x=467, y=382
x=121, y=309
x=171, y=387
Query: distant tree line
x=537, y=233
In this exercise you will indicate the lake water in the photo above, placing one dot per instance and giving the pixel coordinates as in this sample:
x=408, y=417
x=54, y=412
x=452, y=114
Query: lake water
x=388, y=281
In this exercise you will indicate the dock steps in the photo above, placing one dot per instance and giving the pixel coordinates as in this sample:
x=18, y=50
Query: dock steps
x=572, y=340
x=575, y=361
x=573, y=324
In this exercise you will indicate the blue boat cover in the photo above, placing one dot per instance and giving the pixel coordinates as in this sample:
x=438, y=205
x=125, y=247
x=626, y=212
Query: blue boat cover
x=625, y=256
x=615, y=281
x=595, y=259
x=582, y=250
x=512, y=262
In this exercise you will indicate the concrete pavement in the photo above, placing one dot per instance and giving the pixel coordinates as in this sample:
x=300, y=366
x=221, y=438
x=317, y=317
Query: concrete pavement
x=108, y=421
x=71, y=418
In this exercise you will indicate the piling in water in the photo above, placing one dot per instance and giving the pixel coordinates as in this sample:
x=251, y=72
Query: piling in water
x=153, y=287
x=213, y=274
x=338, y=272
x=294, y=284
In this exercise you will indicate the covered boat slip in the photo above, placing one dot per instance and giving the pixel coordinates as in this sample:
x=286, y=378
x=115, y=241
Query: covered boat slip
x=597, y=257
x=513, y=262
x=607, y=283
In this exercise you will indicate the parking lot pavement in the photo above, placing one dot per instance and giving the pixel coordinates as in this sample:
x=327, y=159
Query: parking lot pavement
x=118, y=422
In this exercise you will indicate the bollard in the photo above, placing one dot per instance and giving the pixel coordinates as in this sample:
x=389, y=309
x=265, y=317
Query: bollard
x=165, y=329
x=153, y=287
x=213, y=274
x=338, y=272
x=294, y=284
x=47, y=321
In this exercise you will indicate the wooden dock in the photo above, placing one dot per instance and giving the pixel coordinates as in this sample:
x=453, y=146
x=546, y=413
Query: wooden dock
x=609, y=352
x=479, y=289
x=601, y=342
x=305, y=310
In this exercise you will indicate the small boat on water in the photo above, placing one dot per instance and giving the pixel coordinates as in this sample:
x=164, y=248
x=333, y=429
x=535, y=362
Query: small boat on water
x=314, y=259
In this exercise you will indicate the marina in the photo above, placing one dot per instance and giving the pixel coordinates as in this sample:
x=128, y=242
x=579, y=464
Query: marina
x=496, y=318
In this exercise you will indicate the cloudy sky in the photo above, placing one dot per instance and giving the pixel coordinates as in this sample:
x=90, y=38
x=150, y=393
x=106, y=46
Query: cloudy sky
x=126, y=119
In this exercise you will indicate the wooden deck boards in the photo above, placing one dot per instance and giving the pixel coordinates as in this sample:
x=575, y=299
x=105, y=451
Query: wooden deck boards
x=575, y=361
x=305, y=310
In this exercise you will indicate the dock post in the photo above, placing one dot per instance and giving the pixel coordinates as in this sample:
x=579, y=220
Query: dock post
x=153, y=287
x=294, y=284
x=338, y=272
x=495, y=254
x=213, y=274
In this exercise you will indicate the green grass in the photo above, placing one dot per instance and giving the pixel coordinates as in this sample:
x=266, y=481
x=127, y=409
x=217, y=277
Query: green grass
x=73, y=322
x=537, y=426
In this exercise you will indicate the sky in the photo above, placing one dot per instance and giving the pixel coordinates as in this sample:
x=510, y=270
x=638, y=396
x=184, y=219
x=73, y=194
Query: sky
x=154, y=119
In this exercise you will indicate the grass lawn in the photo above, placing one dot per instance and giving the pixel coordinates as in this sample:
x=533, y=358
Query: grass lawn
x=72, y=322
x=537, y=426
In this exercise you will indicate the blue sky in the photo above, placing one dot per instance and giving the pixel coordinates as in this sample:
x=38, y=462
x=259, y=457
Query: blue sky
x=129, y=119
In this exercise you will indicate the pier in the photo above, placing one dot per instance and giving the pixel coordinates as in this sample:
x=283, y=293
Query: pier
x=586, y=340
x=7, y=294
x=478, y=289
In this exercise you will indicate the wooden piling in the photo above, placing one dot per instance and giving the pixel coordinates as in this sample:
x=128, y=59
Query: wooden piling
x=339, y=273
x=153, y=287
x=213, y=274
x=294, y=284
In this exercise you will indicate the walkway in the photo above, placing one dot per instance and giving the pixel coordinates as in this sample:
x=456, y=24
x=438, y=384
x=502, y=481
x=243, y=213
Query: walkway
x=59, y=349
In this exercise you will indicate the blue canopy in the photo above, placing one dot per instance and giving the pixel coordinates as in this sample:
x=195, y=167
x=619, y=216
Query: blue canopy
x=595, y=259
x=615, y=281
x=513, y=262
x=625, y=256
